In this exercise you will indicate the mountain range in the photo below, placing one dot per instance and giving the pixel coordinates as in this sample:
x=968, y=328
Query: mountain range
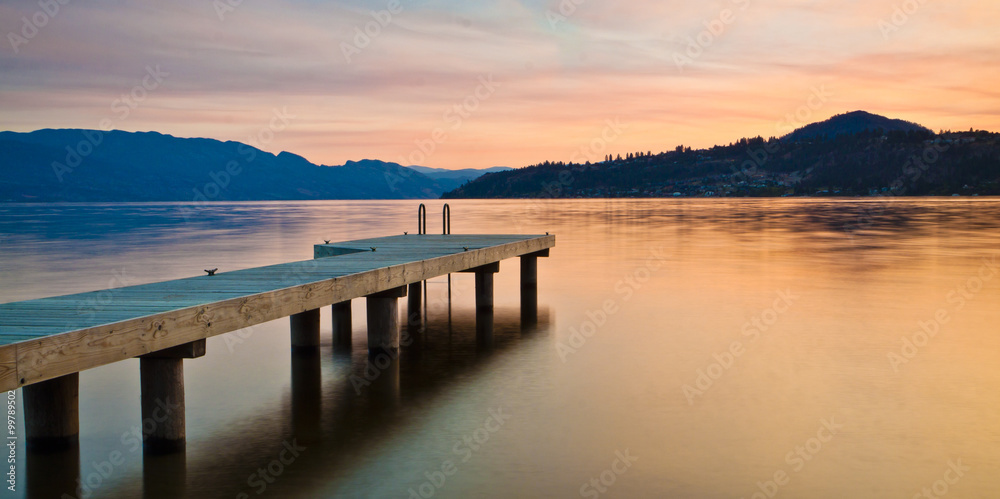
x=451, y=179
x=92, y=165
x=853, y=154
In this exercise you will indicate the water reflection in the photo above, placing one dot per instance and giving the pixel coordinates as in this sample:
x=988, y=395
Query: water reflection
x=337, y=416
x=307, y=395
x=164, y=476
x=51, y=474
x=865, y=274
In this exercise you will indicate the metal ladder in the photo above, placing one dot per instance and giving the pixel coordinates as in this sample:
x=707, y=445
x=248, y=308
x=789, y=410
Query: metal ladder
x=445, y=230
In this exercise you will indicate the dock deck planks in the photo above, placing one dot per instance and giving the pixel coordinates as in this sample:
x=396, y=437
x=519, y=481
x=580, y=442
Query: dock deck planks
x=51, y=337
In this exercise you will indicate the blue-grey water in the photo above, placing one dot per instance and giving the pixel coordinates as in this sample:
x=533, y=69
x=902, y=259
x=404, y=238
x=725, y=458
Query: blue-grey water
x=685, y=348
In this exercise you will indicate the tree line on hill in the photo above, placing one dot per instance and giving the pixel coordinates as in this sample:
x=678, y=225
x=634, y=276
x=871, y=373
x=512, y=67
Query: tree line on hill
x=870, y=162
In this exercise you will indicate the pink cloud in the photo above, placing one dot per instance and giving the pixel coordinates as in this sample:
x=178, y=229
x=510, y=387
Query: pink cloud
x=557, y=84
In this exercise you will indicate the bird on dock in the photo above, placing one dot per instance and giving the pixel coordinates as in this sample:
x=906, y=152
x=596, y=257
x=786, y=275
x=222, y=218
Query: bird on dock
x=466, y=248
x=212, y=272
x=373, y=248
x=327, y=241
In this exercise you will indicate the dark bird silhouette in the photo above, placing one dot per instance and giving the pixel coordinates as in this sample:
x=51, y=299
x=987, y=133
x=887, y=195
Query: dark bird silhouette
x=212, y=272
x=327, y=241
x=373, y=248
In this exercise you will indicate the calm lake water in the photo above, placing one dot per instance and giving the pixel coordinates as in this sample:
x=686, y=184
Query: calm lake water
x=685, y=349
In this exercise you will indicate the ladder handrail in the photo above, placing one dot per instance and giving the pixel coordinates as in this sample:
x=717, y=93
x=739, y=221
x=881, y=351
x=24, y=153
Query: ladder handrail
x=422, y=219
x=446, y=220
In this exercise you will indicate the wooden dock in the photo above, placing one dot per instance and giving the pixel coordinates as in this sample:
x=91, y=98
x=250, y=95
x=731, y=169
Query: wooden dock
x=45, y=343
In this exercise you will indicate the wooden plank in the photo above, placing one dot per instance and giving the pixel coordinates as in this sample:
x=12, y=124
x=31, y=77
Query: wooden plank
x=8, y=367
x=30, y=330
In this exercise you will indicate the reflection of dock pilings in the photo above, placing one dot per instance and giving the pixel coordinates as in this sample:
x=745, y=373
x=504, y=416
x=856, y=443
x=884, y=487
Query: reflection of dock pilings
x=384, y=391
x=529, y=289
x=52, y=473
x=162, y=339
x=307, y=395
x=342, y=326
x=366, y=401
x=484, y=306
x=164, y=476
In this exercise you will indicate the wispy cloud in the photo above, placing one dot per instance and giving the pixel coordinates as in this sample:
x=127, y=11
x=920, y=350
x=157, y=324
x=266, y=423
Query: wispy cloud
x=560, y=81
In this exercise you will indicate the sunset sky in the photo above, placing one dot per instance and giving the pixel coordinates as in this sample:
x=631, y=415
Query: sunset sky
x=532, y=80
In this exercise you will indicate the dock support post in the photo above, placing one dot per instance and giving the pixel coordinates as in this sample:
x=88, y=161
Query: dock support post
x=484, y=304
x=305, y=330
x=413, y=302
x=383, y=321
x=529, y=288
x=484, y=289
x=342, y=327
x=52, y=414
x=162, y=383
x=161, y=379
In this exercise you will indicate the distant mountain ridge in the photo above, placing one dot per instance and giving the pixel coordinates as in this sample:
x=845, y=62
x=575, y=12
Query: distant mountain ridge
x=853, y=123
x=853, y=154
x=93, y=165
x=450, y=179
